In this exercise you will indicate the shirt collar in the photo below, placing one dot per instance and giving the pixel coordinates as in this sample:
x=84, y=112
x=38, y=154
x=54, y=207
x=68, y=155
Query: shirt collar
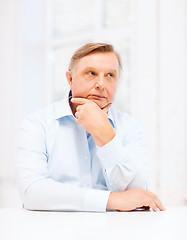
x=62, y=109
x=110, y=117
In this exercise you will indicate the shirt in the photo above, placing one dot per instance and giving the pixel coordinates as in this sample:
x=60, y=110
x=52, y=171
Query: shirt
x=60, y=168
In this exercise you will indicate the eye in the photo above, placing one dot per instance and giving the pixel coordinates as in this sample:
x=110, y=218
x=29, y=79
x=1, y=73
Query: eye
x=91, y=73
x=110, y=75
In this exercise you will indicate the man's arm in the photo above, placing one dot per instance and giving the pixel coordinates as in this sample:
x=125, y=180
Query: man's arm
x=123, y=167
x=38, y=190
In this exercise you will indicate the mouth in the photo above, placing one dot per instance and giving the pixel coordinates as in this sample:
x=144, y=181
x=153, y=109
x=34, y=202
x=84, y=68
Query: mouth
x=96, y=96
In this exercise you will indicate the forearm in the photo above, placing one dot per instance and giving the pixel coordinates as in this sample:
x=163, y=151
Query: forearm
x=48, y=194
x=121, y=166
x=103, y=135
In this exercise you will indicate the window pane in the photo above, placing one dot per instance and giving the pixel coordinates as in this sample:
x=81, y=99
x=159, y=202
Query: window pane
x=61, y=60
x=72, y=16
x=117, y=13
x=122, y=100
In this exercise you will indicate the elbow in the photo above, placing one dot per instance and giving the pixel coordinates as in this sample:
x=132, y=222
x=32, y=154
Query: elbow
x=138, y=181
x=29, y=203
x=31, y=200
x=120, y=179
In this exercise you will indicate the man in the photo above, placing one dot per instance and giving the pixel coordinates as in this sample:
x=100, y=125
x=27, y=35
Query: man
x=81, y=154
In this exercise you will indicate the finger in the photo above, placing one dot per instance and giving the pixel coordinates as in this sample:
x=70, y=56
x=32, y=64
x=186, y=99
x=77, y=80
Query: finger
x=105, y=109
x=153, y=206
x=79, y=100
x=159, y=205
x=156, y=200
x=78, y=108
x=77, y=115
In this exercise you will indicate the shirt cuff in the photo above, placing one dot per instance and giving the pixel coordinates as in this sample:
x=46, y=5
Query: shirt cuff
x=96, y=200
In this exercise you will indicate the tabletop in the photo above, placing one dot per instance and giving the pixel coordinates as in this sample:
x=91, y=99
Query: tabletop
x=23, y=224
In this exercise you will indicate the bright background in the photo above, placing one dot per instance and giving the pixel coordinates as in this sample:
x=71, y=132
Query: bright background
x=37, y=39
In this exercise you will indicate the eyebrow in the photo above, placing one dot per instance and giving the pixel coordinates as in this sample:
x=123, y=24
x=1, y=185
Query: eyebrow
x=95, y=69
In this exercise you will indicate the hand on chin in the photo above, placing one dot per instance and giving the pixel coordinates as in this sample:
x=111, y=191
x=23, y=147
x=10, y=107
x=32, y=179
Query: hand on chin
x=100, y=102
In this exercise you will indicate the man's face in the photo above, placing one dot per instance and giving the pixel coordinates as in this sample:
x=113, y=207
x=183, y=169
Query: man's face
x=95, y=77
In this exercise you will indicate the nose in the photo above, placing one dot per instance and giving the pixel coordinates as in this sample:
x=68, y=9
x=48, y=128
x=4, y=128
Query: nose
x=100, y=83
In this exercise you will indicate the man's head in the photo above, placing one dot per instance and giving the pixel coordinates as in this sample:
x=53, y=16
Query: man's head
x=92, y=48
x=93, y=73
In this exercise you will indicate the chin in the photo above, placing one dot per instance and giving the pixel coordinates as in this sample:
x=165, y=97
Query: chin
x=101, y=105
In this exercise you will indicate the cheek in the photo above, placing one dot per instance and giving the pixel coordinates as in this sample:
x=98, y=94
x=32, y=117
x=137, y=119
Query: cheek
x=80, y=89
x=112, y=92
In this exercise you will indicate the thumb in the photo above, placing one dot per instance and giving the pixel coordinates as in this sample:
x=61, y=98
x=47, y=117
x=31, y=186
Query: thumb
x=105, y=109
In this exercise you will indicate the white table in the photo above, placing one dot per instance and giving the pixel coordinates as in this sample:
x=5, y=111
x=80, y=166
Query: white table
x=22, y=224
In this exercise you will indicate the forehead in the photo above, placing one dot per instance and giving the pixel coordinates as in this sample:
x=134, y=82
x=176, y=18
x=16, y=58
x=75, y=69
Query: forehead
x=98, y=60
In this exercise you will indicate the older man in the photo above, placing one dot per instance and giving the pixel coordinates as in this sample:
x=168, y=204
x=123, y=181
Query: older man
x=81, y=154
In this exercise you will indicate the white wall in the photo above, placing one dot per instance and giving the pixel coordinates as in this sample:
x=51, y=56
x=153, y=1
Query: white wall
x=10, y=91
x=10, y=84
x=172, y=99
x=145, y=76
x=35, y=73
x=159, y=92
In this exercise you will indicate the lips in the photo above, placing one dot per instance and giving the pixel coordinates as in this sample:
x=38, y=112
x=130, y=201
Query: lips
x=96, y=96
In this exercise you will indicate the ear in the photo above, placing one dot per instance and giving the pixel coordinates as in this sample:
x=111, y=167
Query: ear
x=69, y=77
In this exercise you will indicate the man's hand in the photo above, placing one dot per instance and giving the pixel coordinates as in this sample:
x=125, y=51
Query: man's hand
x=132, y=199
x=94, y=120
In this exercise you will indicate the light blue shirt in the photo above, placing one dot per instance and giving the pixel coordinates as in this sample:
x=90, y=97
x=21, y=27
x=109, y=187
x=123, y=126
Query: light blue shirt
x=61, y=168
